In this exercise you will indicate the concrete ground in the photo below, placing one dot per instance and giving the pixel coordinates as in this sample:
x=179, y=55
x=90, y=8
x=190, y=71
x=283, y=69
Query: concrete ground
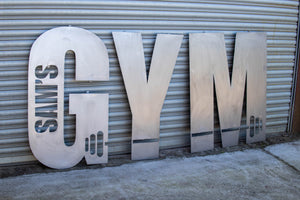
x=269, y=173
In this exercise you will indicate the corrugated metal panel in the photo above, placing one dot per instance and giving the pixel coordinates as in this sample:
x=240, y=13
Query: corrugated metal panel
x=21, y=22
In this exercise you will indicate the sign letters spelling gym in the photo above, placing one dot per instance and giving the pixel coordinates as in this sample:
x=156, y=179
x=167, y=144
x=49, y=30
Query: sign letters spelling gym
x=208, y=70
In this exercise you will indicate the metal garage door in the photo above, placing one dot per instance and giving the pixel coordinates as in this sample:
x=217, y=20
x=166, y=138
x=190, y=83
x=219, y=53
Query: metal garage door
x=21, y=22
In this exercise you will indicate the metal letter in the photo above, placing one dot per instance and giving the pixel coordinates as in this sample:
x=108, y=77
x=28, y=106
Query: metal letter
x=208, y=65
x=91, y=110
x=146, y=97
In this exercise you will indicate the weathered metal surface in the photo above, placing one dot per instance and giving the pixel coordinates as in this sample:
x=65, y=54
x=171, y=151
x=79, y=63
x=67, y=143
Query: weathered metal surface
x=254, y=57
x=209, y=69
x=46, y=96
x=91, y=118
x=23, y=21
x=146, y=96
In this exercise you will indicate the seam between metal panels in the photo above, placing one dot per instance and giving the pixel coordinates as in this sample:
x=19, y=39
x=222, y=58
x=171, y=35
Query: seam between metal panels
x=294, y=84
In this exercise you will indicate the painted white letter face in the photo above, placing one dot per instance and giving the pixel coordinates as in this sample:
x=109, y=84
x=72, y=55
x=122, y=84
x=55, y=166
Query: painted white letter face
x=146, y=97
x=46, y=97
x=208, y=67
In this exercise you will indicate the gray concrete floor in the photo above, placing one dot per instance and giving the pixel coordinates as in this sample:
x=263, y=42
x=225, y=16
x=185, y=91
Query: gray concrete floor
x=270, y=173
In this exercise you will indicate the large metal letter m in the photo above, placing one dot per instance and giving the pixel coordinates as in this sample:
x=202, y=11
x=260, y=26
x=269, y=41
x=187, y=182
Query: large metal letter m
x=209, y=69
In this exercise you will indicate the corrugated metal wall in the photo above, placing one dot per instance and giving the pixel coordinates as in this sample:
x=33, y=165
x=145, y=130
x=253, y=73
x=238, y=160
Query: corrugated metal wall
x=21, y=22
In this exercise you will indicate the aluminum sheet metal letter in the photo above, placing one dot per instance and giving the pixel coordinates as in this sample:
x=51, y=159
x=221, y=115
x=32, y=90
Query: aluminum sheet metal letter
x=209, y=68
x=146, y=97
x=46, y=97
